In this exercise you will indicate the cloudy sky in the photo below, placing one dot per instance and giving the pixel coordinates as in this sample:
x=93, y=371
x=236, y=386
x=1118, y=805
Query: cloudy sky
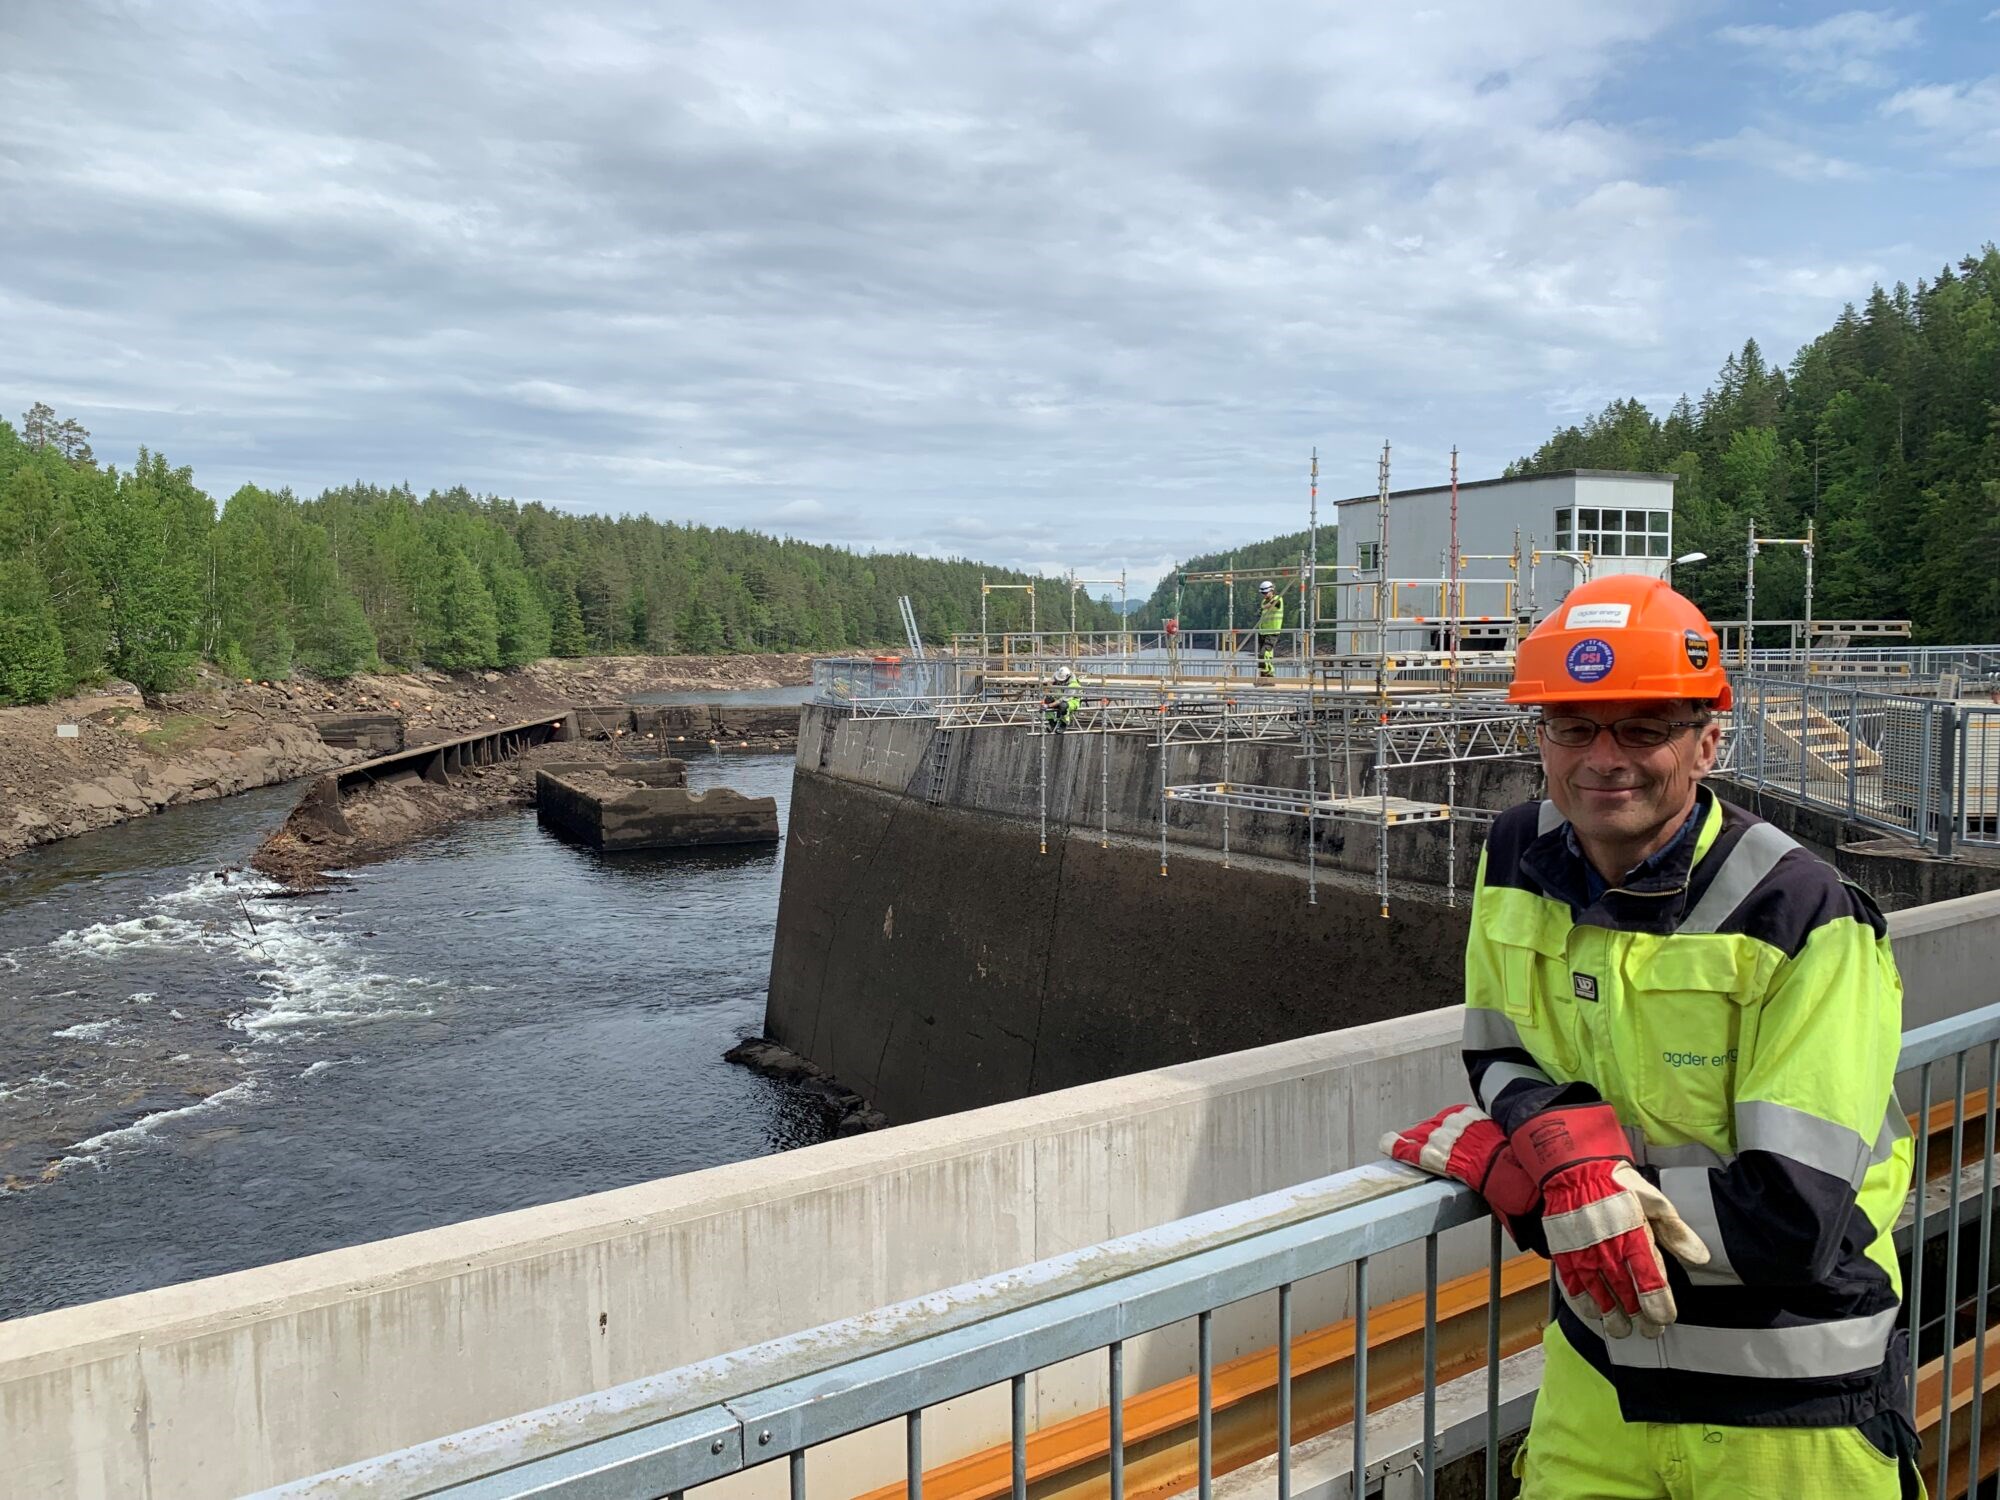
x=1055, y=283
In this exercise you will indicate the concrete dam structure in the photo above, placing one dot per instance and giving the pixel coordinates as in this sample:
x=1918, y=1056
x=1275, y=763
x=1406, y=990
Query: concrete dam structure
x=931, y=957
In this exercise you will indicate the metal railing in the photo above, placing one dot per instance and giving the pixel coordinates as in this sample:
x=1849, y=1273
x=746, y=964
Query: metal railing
x=1927, y=664
x=847, y=679
x=671, y=1433
x=1926, y=767
x=1942, y=1320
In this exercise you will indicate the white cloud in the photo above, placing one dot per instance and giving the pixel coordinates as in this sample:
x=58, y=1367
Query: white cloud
x=1963, y=117
x=1044, y=282
x=1815, y=283
x=1759, y=148
x=1849, y=50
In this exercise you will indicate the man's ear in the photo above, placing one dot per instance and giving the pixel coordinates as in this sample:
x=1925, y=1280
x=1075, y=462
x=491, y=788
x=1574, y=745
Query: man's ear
x=1707, y=748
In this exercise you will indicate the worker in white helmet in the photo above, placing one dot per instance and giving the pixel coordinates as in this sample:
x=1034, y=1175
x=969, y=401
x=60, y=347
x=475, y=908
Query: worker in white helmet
x=1062, y=703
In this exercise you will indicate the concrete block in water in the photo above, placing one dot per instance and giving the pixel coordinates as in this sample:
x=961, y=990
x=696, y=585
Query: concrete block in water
x=378, y=734
x=621, y=811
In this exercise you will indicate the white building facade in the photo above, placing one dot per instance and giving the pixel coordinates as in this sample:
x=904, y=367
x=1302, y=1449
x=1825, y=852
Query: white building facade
x=1607, y=521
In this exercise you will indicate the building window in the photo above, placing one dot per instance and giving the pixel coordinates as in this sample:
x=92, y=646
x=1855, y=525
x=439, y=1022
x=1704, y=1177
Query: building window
x=1368, y=556
x=1614, y=533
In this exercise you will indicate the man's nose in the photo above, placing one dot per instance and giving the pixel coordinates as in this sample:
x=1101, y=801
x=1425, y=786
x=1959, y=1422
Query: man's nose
x=1606, y=756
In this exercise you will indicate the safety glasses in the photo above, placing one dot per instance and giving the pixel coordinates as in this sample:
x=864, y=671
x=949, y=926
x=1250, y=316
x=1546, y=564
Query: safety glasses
x=1574, y=731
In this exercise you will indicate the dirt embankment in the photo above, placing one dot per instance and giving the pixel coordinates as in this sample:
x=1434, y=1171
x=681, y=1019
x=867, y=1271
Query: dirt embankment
x=129, y=757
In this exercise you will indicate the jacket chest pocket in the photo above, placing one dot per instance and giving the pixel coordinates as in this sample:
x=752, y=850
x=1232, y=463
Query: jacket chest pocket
x=1681, y=1029
x=1525, y=944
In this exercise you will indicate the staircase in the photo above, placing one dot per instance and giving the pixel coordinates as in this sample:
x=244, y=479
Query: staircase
x=1825, y=746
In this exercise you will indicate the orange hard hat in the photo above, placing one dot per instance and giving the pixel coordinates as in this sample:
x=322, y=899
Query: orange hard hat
x=1621, y=638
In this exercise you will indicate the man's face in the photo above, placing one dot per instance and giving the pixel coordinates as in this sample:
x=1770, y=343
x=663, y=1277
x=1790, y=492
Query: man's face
x=1615, y=794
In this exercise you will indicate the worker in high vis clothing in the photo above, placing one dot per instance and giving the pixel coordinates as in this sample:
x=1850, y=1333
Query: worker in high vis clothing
x=1270, y=623
x=1063, y=701
x=1681, y=1030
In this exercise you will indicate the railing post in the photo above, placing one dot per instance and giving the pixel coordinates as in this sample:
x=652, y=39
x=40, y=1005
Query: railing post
x=1805, y=740
x=1853, y=748
x=1924, y=742
x=1947, y=777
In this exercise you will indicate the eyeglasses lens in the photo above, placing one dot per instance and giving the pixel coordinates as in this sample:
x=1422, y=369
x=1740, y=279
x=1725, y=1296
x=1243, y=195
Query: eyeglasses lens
x=1574, y=732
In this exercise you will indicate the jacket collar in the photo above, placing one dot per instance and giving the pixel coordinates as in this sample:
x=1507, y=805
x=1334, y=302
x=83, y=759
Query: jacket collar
x=1556, y=862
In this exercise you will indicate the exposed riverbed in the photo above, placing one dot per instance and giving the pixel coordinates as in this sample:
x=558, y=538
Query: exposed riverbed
x=196, y=1076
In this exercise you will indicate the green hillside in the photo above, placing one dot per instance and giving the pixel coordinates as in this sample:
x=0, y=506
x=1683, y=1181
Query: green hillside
x=138, y=573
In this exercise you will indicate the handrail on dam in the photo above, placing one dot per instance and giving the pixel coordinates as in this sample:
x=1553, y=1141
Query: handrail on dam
x=675, y=1431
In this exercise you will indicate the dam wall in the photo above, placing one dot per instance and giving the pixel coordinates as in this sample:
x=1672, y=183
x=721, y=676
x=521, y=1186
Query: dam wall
x=932, y=957
x=237, y=1382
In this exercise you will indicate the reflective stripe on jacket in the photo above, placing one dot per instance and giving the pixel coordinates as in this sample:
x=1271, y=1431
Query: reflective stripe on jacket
x=1740, y=1009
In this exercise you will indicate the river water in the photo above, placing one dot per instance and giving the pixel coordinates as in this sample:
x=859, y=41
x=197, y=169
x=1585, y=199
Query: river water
x=198, y=1076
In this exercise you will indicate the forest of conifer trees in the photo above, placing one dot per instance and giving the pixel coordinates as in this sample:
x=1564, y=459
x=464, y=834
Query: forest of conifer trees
x=136, y=573
x=1885, y=430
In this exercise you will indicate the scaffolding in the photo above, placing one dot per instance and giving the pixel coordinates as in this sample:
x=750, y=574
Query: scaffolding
x=1404, y=689
x=1354, y=701
x=1415, y=681
x=1007, y=641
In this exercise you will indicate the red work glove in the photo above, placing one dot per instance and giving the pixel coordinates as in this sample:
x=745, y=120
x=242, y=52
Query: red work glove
x=1462, y=1143
x=1605, y=1223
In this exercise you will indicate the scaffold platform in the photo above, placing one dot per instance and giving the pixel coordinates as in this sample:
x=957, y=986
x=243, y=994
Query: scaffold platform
x=1294, y=803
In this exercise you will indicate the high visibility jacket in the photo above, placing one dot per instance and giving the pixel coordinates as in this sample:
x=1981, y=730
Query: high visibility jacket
x=1272, y=616
x=1737, y=1004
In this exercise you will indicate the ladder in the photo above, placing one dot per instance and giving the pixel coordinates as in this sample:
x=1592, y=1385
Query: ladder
x=910, y=627
x=940, y=759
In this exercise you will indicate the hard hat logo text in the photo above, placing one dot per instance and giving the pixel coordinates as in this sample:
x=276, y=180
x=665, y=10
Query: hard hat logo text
x=1590, y=660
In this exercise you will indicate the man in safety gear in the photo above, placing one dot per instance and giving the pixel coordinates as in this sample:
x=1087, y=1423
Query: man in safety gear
x=1270, y=622
x=1681, y=1030
x=1062, y=703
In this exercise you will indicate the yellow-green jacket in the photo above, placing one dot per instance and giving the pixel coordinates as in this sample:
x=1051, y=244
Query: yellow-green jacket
x=1271, y=617
x=1736, y=1002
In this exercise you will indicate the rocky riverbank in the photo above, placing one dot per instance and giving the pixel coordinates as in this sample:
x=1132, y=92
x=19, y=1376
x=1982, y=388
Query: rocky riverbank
x=129, y=756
